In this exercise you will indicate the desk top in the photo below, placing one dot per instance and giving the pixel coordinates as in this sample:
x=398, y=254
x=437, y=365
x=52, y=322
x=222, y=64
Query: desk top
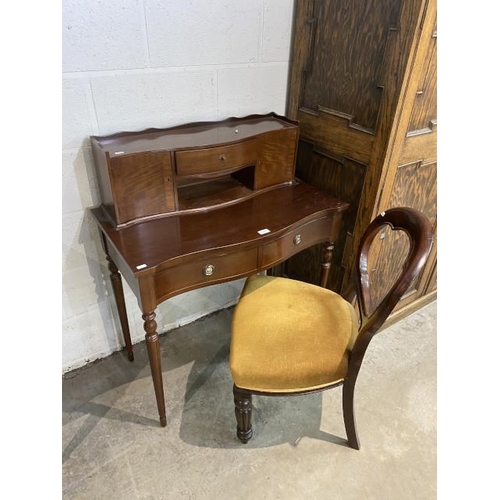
x=165, y=242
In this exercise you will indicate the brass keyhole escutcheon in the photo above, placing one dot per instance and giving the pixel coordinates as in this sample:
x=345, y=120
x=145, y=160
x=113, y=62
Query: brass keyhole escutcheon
x=208, y=270
x=222, y=157
x=296, y=239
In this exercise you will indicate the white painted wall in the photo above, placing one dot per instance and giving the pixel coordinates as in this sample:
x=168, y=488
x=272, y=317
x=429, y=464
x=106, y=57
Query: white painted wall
x=133, y=64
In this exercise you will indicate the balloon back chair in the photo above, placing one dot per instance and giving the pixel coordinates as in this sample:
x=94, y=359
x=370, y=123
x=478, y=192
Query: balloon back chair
x=289, y=337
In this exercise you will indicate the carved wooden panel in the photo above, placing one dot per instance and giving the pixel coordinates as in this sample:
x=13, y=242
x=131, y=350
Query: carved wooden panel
x=335, y=133
x=421, y=147
x=424, y=113
x=385, y=263
x=415, y=186
x=339, y=175
x=346, y=58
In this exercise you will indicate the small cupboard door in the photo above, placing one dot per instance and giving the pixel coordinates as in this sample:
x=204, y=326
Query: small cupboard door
x=142, y=185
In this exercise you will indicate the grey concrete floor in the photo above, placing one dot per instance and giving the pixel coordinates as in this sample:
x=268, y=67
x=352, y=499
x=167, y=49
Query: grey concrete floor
x=114, y=447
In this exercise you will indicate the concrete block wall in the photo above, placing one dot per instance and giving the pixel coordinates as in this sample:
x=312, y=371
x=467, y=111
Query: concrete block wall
x=133, y=64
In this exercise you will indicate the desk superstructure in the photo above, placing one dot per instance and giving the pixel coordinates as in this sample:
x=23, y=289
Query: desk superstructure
x=203, y=203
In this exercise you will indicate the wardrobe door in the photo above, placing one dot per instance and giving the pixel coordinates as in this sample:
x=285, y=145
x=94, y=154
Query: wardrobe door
x=412, y=180
x=337, y=79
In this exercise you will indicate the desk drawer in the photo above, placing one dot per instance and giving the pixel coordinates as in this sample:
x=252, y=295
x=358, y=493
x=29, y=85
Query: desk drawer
x=214, y=269
x=294, y=241
x=202, y=161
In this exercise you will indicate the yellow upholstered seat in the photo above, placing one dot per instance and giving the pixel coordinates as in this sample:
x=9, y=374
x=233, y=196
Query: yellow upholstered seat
x=290, y=336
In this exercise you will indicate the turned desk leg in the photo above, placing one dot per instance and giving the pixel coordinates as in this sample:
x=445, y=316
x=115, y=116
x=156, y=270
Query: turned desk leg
x=326, y=264
x=153, y=345
x=116, y=281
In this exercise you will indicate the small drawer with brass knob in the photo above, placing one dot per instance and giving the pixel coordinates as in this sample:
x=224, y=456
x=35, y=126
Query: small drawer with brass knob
x=216, y=267
x=296, y=240
x=206, y=160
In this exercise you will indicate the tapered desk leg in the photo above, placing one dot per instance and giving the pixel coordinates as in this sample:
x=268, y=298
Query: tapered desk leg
x=326, y=264
x=153, y=345
x=116, y=281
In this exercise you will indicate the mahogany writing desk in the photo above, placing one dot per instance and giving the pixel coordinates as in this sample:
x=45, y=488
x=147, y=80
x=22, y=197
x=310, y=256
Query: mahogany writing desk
x=234, y=209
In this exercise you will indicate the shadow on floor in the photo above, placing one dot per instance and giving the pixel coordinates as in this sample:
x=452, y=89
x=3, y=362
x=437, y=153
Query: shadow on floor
x=207, y=419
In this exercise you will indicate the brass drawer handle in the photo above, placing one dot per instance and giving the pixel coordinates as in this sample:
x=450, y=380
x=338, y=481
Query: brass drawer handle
x=208, y=270
x=296, y=239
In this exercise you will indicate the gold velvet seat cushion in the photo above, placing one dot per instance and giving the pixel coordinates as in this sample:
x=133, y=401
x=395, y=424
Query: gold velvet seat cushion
x=290, y=336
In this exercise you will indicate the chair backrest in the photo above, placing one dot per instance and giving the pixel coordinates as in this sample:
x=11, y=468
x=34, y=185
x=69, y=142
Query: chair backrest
x=418, y=228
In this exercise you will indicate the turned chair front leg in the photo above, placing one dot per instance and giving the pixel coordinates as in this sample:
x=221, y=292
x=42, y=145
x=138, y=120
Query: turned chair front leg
x=243, y=412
